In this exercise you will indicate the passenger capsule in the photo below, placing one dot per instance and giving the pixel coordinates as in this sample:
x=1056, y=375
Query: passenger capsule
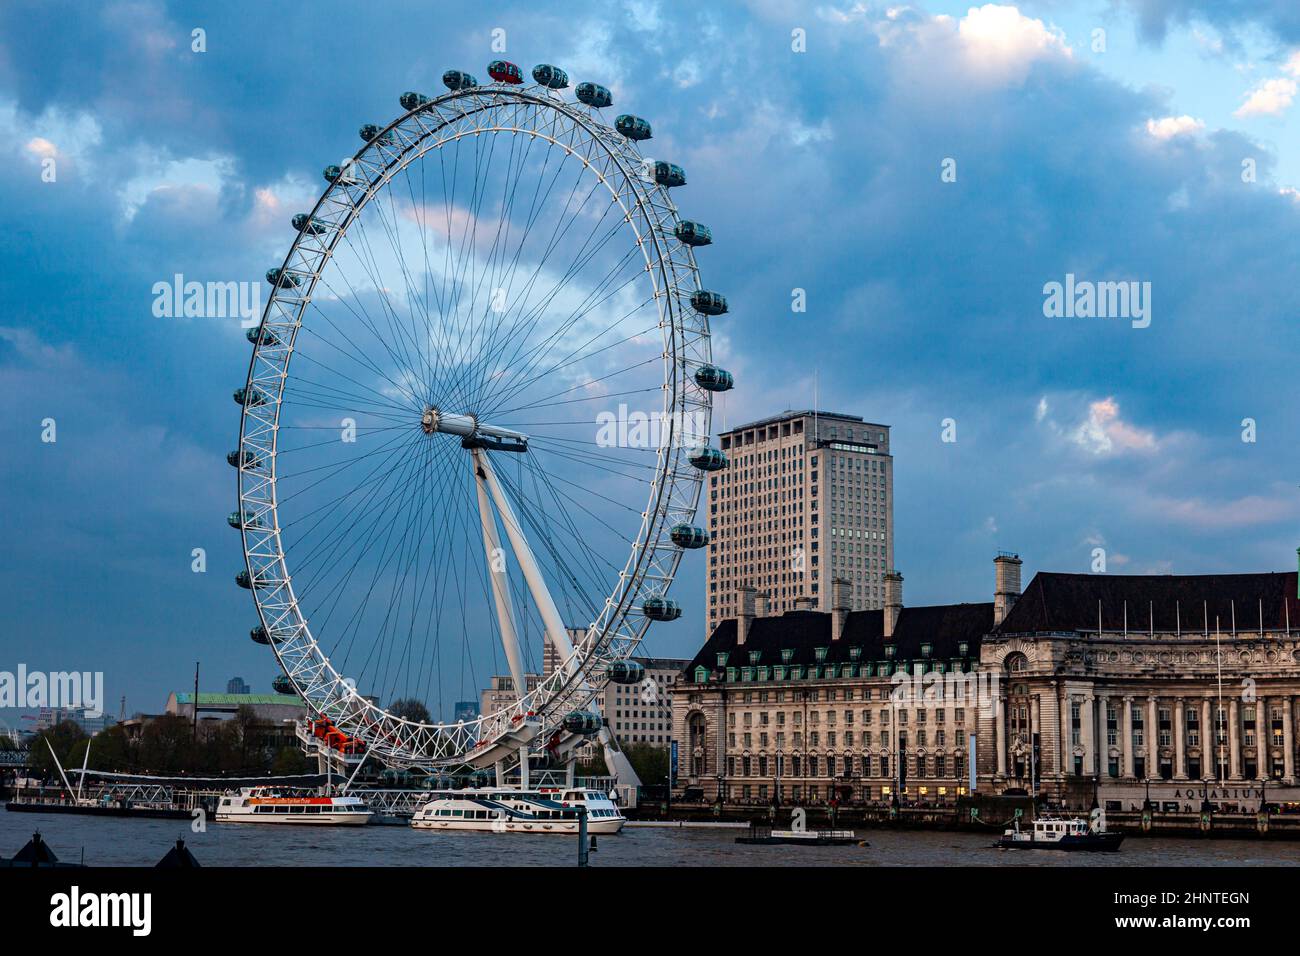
x=250, y=459
x=627, y=672
x=693, y=233
x=335, y=174
x=633, y=127
x=268, y=337
x=285, y=280
x=411, y=101
x=282, y=685
x=661, y=609
x=305, y=223
x=593, y=94
x=688, y=536
x=370, y=132
x=503, y=71
x=259, y=635
x=250, y=396
x=707, y=459
x=714, y=379
x=582, y=722
x=708, y=303
x=249, y=520
x=458, y=80
x=244, y=581
x=669, y=174
x=550, y=76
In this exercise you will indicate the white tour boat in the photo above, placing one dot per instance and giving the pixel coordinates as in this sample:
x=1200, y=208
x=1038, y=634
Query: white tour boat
x=511, y=810
x=281, y=805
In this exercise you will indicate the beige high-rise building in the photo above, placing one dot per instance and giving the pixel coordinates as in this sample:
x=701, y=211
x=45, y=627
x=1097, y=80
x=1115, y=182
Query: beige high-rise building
x=807, y=496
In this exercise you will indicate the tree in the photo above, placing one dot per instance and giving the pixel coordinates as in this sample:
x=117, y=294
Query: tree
x=289, y=760
x=64, y=737
x=649, y=762
x=411, y=709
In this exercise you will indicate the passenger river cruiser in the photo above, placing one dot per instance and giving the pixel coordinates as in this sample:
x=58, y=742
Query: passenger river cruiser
x=281, y=805
x=510, y=810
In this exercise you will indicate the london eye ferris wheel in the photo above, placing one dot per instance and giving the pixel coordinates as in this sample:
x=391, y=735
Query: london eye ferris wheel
x=441, y=468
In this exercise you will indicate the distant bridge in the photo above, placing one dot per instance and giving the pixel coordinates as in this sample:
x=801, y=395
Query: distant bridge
x=14, y=758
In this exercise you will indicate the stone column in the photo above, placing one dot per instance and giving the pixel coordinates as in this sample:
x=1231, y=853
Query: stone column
x=1000, y=735
x=1288, y=743
x=1087, y=731
x=1263, y=738
x=1180, y=745
x=1126, y=737
x=1103, y=744
x=1234, y=740
x=1065, y=758
x=1153, y=739
x=1035, y=768
x=1209, y=742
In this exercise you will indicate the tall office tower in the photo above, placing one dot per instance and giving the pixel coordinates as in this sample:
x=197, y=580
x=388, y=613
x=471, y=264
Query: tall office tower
x=806, y=497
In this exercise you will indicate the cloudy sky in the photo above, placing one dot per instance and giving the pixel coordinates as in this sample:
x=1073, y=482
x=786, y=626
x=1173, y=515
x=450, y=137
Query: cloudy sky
x=1140, y=140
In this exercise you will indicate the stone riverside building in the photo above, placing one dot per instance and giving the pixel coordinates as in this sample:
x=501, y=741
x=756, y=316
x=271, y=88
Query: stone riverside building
x=1180, y=688
x=807, y=496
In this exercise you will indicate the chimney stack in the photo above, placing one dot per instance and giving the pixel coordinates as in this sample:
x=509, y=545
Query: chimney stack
x=893, y=602
x=761, y=604
x=803, y=603
x=841, y=604
x=745, y=616
x=1006, y=586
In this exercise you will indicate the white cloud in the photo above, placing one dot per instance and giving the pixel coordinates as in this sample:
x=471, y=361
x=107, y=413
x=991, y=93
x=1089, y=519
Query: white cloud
x=1168, y=127
x=1002, y=42
x=1104, y=432
x=1269, y=98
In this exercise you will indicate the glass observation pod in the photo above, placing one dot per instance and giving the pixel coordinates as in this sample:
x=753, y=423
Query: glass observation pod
x=661, y=609
x=503, y=71
x=714, y=379
x=688, y=536
x=244, y=581
x=250, y=459
x=282, y=685
x=582, y=722
x=259, y=635
x=627, y=672
x=669, y=174
x=458, y=80
x=247, y=396
x=285, y=280
x=633, y=127
x=551, y=77
x=334, y=174
x=693, y=233
x=249, y=521
x=305, y=223
x=270, y=338
x=593, y=94
x=707, y=459
x=709, y=303
x=370, y=132
x=413, y=101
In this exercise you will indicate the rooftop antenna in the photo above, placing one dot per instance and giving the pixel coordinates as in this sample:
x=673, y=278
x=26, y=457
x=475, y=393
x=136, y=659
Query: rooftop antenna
x=1233, y=603
x=1151, y=618
x=1126, y=617
x=1178, y=619
x=817, y=434
x=1099, y=617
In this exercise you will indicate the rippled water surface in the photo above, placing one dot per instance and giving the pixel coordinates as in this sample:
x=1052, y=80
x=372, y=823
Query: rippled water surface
x=118, y=842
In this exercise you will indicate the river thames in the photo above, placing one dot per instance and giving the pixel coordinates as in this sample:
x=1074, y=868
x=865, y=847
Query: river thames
x=118, y=842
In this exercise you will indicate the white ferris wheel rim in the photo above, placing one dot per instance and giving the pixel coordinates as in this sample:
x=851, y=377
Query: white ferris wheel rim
x=653, y=559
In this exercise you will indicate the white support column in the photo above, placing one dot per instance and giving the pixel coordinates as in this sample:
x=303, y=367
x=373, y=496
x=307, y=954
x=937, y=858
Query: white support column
x=1126, y=738
x=1152, y=739
x=497, y=575
x=551, y=620
x=999, y=735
